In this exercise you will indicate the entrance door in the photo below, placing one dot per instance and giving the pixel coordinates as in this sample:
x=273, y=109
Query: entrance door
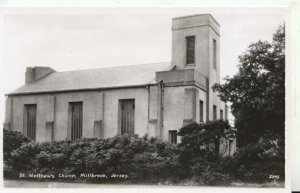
x=127, y=116
x=30, y=121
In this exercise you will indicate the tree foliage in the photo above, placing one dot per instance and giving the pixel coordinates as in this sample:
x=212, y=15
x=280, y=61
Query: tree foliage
x=257, y=91
x=198, y=157
x=142, y=159
x=199, y=139
x=12, y=140
x=145, y=160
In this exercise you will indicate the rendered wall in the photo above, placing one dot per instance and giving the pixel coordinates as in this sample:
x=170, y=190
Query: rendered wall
x=154, y=101
x=173, y=110
x=201, y=51
x=179, y=107
x=54, y=108
x=202, y=97
x=17, y=112
x=214, y=74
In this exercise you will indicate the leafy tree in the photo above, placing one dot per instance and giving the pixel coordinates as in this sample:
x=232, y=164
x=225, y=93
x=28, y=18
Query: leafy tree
x=198, y=156
x=257, y=91
x=199, y=139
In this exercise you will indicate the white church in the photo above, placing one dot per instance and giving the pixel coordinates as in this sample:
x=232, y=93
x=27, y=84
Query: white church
x=154, y=99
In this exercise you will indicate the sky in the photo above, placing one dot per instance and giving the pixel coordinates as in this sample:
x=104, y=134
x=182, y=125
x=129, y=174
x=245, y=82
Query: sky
x=73, y=39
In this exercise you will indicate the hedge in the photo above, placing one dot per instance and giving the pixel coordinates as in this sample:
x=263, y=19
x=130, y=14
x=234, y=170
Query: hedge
x=143, y=160
x=11, y=140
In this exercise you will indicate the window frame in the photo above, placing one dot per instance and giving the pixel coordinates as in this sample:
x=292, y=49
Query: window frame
x=172, y=138
x=201, y=111
x=214, y=54
x=30, y=134
x=221, y=114
x=188, y=51
x=128, y=129
x=74, y=136
x=215, y=112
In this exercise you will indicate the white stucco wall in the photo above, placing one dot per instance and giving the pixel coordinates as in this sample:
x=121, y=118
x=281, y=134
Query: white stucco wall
x=18, y=113
x=111, y=107
x=173, y=113
x=92, y=111
x=202, y=97
x=201, y=51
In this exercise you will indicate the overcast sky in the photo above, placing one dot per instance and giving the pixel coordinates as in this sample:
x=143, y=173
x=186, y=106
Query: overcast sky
x=73, y=39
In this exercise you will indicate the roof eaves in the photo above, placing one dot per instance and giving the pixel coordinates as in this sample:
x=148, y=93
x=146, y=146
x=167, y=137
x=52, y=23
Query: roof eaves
x=78, y=90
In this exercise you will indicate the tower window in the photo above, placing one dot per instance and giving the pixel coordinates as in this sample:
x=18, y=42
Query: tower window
x=190, y=50
x=215, y=54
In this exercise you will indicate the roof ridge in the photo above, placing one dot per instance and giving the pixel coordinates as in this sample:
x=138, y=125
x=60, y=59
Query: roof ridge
x=110, y=67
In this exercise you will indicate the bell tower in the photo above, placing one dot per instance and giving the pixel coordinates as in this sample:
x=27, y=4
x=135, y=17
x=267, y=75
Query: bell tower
x=196, y=66
x=195, y=44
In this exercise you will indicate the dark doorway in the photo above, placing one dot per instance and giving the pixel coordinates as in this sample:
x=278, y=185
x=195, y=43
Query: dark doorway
x=127, y=116
x=76, y=120
x=30, y=121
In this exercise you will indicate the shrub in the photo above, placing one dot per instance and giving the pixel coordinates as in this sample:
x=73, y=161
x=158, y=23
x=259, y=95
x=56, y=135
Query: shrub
x=253, y=163
x=11, y=140
x=256, y=162
x=197, y=153
x=144, y=160
x=199, y=139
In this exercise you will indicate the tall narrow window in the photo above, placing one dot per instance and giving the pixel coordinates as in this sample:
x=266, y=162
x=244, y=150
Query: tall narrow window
x=221, y=114
x=30, y=121
x=215, y=53
x=75, y=109
x=173, y=136
x=214, y=112
x=127, y=116
x=201, y=111
x=226, y=112
x=190, y=50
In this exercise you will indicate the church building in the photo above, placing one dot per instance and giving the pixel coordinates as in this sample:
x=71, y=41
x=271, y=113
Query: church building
x=154, y=99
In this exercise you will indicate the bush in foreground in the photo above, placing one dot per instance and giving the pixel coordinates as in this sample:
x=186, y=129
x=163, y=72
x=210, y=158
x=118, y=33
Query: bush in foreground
x=145, y=160
x=260, y=162
x=198, y=155
x=11, y=140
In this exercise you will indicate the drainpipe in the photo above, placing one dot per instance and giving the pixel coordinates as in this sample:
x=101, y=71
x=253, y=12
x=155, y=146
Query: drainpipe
x=207, y=100
x=161, y=109
x=148, y=89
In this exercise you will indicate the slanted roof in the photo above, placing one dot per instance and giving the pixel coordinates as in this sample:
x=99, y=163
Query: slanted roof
x=100, y=78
